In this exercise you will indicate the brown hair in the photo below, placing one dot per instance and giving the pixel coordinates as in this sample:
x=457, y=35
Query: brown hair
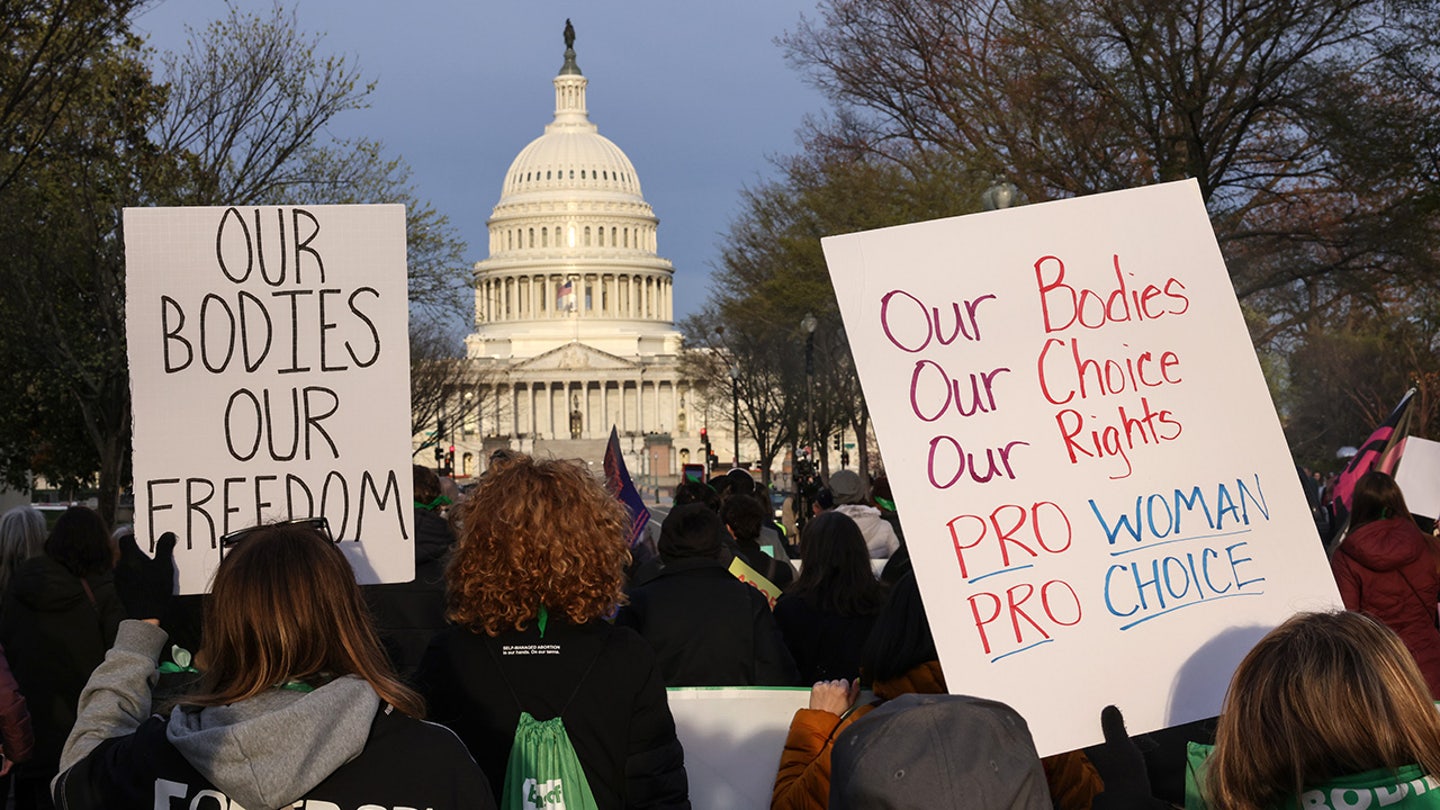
x=536, y=533
x=284, y=607
x=427, y=485
x=1377, y=497
x=1323, y=695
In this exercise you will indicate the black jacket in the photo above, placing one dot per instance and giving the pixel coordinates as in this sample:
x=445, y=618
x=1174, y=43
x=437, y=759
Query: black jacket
x=826, y=646
x=409, y=614
x=603, y=678
x=708, y=628
x=54, y=636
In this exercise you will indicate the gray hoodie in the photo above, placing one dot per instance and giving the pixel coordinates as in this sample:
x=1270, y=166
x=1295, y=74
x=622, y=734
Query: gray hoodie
x=262, y=752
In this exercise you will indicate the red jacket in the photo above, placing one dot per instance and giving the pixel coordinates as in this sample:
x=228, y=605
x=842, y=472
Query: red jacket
x=16, y=735
x=1388, y=569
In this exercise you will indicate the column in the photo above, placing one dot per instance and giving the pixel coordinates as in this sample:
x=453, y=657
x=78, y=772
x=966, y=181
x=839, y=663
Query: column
x=674, y=410
x=589, y=423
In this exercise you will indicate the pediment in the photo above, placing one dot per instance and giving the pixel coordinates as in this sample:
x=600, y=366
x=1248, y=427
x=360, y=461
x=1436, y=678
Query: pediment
x=575, y=356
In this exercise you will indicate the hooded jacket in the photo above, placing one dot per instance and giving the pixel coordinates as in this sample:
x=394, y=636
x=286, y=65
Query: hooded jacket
x=880, y=538
x=54, y=635
x=1387, y=569
x=336, y=746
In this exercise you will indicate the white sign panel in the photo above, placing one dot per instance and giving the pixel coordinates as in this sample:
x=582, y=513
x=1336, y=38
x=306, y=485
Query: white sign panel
x=1419, y=476
x=1094, y=485
x=733, y=739
x=270, y=374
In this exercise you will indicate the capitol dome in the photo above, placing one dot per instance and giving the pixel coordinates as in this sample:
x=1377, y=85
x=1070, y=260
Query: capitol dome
x=571, y=156
x=572, y=246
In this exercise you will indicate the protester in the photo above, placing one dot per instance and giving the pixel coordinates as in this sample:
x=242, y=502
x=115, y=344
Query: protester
x=60, y=615
x=537, y=569
x=707, y=628
x=899, y=563
x=900, y=658
x=296, y=701
x=17, y=735
x=1328, y=710
x=22, y=536
x=827, y=615
x=851, y=499
x=409, y=614
x=1386, y=567
x=744, y=516
x=925, y=752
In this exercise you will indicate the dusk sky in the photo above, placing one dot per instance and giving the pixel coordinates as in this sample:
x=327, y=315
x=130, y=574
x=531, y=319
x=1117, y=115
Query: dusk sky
x=697, y=94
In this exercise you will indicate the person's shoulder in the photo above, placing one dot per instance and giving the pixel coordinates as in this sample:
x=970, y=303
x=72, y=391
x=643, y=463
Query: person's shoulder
x=394, y=728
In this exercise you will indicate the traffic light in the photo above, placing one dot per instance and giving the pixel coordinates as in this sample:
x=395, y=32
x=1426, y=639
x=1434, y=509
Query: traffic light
x=439, y=454
x=837, y=441
x=440, y=429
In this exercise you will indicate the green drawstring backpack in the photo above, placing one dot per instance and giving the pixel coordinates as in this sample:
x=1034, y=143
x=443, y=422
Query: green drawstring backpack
x=543, y=772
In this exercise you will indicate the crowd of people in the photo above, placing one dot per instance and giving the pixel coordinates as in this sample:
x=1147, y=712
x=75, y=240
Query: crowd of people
x=527, y=663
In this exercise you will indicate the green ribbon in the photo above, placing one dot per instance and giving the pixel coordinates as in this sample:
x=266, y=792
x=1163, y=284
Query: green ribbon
x=440, y=500
x=542, y=619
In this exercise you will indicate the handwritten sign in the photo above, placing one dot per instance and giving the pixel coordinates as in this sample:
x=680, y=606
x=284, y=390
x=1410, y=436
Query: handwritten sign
x=1095, y=488
x=269, y=369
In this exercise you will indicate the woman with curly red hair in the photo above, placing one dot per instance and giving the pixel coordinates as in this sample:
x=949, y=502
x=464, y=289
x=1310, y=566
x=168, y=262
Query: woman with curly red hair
x=538, y=567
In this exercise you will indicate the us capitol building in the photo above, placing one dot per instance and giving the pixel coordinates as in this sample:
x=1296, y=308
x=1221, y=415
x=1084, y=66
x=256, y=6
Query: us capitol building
x=574, y=315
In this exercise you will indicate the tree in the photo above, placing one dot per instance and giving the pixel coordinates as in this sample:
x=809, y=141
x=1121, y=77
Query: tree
x=753, y=373
x=62, y=270
x=239, y=122
x=772, y=273
x=1310, y=126
x=48, y=47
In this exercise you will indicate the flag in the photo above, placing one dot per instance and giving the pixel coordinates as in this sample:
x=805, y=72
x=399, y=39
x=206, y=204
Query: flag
x=565, y=296
x=624, y=489
x=1379, y=452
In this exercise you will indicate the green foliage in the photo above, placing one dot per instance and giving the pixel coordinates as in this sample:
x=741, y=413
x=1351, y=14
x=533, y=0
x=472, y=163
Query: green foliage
x=239, y=120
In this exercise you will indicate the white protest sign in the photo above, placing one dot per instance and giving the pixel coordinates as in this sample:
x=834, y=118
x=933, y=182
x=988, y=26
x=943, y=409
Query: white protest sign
x=1419, y=476
x=270, y=374
x=733, y=738
x=1093, y=481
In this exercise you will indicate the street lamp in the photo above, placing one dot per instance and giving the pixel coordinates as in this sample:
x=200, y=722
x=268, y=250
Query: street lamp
x=1000, y=195
x=808, y=323
x=735, y=398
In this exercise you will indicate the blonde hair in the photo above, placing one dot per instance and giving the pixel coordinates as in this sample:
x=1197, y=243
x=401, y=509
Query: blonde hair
x=1323, y=695
x=537, y=533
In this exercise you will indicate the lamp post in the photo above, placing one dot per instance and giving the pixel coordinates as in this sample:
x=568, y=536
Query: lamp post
x=1001, y=194
x=735, y=399
x=808, y=323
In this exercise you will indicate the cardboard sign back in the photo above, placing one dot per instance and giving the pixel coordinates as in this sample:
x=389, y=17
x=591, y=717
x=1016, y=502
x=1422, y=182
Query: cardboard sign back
x=1091, y=474
x=270, y=375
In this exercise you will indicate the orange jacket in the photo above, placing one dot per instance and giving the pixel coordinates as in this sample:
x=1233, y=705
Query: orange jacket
x=803, y=781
